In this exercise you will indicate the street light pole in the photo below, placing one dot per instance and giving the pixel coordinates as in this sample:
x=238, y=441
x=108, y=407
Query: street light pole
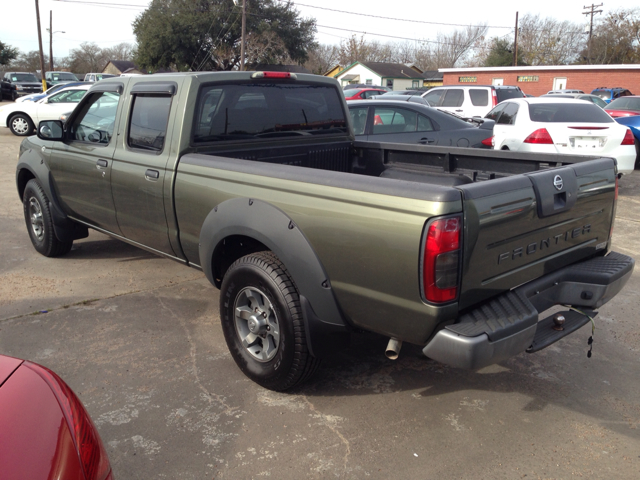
x=244, y=27
x=44, y=82
x=51, y=40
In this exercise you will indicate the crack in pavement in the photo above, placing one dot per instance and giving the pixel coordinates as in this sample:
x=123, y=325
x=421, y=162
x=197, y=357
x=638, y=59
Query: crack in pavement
x=91, y=300
x=192, y=353
x=327, y=423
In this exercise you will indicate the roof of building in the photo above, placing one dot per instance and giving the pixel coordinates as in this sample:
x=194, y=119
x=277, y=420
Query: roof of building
x=387, y=70
x=540, y=68
x=122, y=65
x=432, y=75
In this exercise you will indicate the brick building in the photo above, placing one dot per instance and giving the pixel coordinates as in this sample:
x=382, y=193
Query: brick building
x=539, y=80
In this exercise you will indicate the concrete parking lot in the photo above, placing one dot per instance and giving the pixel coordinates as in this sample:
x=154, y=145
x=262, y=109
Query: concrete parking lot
x=139, y=340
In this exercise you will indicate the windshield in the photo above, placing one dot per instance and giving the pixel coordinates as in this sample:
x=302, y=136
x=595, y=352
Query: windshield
x=63, y=76
x=24, y=77
x=245, y=111
x=578, y=112
x=625, y=103
x=603, y=94
x=506, y=93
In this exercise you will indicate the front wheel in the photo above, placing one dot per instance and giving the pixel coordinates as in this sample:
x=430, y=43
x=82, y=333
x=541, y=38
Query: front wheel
x=262, y=322
x=37, y=216
x=21, y=125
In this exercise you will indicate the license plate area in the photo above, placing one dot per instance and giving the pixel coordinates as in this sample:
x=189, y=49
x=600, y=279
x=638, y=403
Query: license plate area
x=587, y=142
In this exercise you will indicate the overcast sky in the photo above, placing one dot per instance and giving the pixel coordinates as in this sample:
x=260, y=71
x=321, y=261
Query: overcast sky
x=110, y=23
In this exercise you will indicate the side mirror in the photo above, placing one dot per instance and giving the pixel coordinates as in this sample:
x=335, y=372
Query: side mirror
x=50, y=130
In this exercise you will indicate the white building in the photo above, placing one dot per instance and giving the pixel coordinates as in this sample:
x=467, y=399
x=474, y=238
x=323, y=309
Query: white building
x=396, y=76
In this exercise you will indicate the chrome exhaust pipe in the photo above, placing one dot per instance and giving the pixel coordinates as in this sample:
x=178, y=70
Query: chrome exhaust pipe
x=393, y=348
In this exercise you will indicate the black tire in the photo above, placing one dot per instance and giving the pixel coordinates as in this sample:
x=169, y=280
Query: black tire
x=37, y=216
x=14, y=96
x=279, y=309
x=21, y=125
x=637, y=143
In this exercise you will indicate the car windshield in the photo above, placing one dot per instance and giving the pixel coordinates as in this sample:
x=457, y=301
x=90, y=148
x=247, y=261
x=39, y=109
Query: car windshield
x=64, y=76
x=24, y=77
x=603, y=94
x=625, y=103
x=507, y=93
x=578, y=112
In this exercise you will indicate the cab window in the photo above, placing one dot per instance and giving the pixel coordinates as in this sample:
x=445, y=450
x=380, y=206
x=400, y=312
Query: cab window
x=96, y=119
x=148, y=122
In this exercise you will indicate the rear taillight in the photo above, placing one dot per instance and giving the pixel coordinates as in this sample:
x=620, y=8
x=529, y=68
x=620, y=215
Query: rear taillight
x=489, y=142
x=628, y=138
x=290, y=75
x=441, y=259
x=91, y=451
x=494, y=98
x=540, y=137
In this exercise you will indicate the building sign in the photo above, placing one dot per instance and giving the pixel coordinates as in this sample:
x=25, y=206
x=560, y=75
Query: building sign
x=528, y=78
x=467, y=79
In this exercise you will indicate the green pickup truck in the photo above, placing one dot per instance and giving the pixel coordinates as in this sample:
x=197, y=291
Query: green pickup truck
x=255, y=179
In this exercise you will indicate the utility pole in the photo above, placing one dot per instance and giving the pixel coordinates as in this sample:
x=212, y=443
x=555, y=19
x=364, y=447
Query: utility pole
x=515, y=44
x=51, y=40
x=44, y=82
x=244, y=27
x=591, y=11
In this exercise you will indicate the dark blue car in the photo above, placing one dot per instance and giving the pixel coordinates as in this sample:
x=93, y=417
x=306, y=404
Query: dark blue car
x=608, y=94
x=633, y=122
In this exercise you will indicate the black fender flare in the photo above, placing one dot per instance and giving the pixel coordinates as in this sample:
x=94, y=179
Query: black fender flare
x=64, y=228
x=326, y=328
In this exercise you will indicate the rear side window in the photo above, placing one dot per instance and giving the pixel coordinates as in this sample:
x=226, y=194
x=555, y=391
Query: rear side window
x=359, y=119
x=509, y=113
x=394, y=120
x=579, y=112
x=453, y=98
x=495, y=113
x=507, y=93
x=263, y=110
x=479, y=97
x=148, y=122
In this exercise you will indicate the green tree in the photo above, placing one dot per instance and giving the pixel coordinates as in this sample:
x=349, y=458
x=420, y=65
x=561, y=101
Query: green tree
x=501, y=54
x=7, y=54
x=206, y=34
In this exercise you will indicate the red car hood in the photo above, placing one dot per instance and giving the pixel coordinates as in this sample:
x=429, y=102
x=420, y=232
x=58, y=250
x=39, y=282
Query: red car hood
x=622, y=113
x=8, y=365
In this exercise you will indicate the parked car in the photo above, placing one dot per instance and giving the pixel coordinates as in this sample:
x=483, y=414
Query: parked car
x=54, y=78
x=14, y=85
x=561, y=125
x=633, y=122
x=361, y=93
x=581, y=96
x=396, y=121
x=34, y=97
x=564, y=90
x=610, y=94
x=351, y=86
x=96, y=77
x=21, y=118
x=401, y=98
x=470, y=101
x=45, y=431
x=402, y=92
x=624, y=107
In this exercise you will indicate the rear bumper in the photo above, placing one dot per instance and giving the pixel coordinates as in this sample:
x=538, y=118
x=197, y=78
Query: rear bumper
x=508, y=324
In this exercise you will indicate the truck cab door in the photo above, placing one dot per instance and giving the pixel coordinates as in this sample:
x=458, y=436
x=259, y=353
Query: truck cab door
x=81, y=165
x=140, y=180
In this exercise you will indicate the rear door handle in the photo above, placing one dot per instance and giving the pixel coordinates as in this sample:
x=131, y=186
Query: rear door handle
x=152, y=174
x=102, y=164
x=426, y=140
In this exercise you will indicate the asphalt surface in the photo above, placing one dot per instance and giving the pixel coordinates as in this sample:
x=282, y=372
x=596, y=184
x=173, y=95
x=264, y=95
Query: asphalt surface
x=139, y=340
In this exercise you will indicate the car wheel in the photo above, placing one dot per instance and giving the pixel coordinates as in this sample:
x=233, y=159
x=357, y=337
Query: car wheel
x=14, y=96
x=262, y=322
x=637, y=165
x=37, y=216
x=21, y=125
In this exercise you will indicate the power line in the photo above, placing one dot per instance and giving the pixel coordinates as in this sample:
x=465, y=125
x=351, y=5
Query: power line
x=395, y=19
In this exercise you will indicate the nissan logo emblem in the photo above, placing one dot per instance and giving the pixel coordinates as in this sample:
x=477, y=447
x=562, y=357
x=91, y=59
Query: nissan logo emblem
x=557, y=182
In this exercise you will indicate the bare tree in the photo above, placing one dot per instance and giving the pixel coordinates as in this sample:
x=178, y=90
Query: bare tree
x=322, y=58
x=121, y=51
x=455, y=48
x=89, y=57
x=547, y=41
x=616, y=38
x=28, y=62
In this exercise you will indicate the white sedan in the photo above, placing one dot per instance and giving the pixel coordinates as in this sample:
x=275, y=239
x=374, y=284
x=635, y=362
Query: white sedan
x=559, y=125
x=22, y=118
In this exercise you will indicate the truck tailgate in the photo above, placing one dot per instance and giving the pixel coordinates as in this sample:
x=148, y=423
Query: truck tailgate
x=522, y=227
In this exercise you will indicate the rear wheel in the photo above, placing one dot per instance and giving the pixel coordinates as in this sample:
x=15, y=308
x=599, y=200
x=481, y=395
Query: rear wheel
x=37, y=216
x=637, y=165
x=262, y=322
x=21, y=125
